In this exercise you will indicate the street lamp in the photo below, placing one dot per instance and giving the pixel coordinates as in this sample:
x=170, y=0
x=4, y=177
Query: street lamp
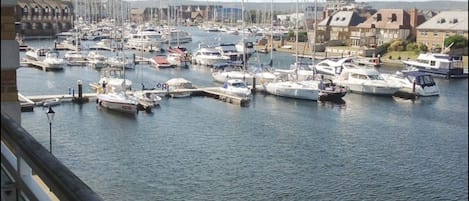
x=50, y=116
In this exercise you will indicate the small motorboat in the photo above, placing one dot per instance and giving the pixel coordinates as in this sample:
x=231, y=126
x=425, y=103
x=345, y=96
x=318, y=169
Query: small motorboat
x=161, y=62
x=329, y=91
x=236, y=87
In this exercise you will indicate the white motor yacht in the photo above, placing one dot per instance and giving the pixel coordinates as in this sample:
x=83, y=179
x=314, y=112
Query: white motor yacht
x=236, y=87
x=209, y=56
x=414, y=82
x=53, y=61
x=438, y=64
x=148, y=39
x=367, y=81
x=118, y=101
x=96, y=60
x=74, y=58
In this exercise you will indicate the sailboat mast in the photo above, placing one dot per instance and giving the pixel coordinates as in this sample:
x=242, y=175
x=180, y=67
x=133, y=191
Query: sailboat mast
x=271, y=33
x=296, y=34
x=315, y=29
x=296, y=41
x=243, y=35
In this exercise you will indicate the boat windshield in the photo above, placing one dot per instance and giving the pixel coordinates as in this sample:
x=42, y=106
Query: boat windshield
x=375, y=77
x=239, y=85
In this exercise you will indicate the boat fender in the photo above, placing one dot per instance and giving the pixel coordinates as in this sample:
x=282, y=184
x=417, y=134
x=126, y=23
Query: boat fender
x=158, y=85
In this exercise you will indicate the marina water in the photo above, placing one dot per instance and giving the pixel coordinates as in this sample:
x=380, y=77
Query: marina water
x=199, y=148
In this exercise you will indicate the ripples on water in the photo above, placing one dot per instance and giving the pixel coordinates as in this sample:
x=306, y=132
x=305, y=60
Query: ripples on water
x=367, y=148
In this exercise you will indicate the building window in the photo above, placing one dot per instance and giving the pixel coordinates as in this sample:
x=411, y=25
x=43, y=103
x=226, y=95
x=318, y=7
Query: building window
x=435, y=33
x=57, y=11
x=25, y=10
x=36, y=11
x=378, y=17
x=393, y=17
x=46, y=11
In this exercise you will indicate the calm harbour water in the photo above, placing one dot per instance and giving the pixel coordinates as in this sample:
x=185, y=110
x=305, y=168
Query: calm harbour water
x=198, y=148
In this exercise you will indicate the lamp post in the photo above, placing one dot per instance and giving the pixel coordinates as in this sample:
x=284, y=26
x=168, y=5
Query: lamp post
x=50, y=116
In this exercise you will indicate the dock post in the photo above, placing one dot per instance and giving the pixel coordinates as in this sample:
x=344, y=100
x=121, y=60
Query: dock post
x=253, y=84
x=80, y=98
x=133, y=56
x=80, y=89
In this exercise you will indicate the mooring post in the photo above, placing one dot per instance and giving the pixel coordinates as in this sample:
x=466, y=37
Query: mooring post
x=253, y=84
x=80, y=99
x=80, y=89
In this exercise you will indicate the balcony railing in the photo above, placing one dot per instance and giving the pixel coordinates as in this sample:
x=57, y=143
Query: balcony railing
x=22, y=156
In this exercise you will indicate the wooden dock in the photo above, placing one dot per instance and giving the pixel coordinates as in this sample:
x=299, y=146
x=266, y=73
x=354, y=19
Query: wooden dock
x=29, y=102
x=35, y=63
x=26, y=104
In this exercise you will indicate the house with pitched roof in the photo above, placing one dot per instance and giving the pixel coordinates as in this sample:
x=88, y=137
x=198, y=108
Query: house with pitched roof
x=433, y=32
x=338, y=26
x=385, y=26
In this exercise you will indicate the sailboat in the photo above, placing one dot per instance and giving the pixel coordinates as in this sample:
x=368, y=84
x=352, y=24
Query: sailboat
x=235, y=71
x=292, y=87
x=179, y=55
x=115, y=97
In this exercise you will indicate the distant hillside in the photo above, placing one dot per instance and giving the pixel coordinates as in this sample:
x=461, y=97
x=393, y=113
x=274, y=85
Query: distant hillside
x=290, y=7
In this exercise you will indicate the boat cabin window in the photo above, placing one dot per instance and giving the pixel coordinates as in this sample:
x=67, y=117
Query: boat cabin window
x=432, y=63
x=359, y=76
x=375, y=77
x=428, y=80
x=239, y=84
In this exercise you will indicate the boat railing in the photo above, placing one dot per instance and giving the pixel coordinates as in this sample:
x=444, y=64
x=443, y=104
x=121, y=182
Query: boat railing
x=33, y=172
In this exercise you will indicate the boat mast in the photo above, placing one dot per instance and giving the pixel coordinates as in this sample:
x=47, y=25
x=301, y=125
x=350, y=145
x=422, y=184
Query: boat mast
x=296, y=41
x=315, y=30
x=243, y=37
x=271, y=33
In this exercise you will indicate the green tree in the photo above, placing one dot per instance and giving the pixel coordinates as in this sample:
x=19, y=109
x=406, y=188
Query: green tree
x=397, y=45
x=458, y=40
x=412, y=47
x=423, y=47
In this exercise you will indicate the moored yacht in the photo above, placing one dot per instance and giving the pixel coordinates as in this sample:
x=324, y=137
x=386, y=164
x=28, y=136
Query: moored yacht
x=148, y=39
x=438, y=64
x=414, y=83
x=209, y=56
x=96, y=60
x=366, y=81
x=236, y=87
x=52, y=61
